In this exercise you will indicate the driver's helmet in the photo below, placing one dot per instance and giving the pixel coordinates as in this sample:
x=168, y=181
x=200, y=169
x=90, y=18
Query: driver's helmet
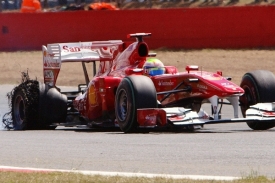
x=153, y=67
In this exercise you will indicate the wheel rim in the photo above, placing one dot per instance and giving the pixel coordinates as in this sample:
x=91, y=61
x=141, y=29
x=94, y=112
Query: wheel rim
x=246, y=100
x=19, y=110
x=122, y=105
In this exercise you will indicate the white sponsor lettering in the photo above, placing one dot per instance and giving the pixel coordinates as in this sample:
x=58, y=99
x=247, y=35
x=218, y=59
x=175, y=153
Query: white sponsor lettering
x=51, y=64
x=166, y=83
x=71, y=49
x=48, y=74
x=151, y=118
x=228, y=85
x=202, y=86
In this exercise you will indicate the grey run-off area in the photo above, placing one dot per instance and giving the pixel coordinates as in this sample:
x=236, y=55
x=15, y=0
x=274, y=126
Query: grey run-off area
x=216, y=150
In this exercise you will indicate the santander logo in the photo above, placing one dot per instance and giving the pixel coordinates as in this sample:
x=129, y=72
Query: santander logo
x=71, y=49
x=166, y=83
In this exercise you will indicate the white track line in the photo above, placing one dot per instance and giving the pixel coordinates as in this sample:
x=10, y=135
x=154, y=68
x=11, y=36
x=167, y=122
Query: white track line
x=124, y=174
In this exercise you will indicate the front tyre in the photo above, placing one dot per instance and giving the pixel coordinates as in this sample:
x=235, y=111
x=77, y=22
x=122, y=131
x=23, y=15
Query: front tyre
x=134, y=92
x=259, y=87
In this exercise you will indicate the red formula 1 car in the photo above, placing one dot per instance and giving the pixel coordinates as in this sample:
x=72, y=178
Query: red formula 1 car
x=135, y=91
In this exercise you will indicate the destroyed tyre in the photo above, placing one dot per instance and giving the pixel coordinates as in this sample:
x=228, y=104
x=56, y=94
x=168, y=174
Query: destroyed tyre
x=134, y=92
x=36, y=106
x=24, y=105
x=259, y=87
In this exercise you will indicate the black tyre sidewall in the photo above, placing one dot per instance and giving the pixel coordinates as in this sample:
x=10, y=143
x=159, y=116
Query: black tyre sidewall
x=141, y=93
x=17, y=123
x=43, y=105
x=29, y=92
x=52, y=106
x=129, y=122
x=251, y=92
x=145, y=92
x=259, y=86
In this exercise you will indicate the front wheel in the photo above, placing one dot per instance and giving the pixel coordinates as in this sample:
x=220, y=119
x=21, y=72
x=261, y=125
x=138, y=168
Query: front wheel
x=134, y=92
x=259, y=87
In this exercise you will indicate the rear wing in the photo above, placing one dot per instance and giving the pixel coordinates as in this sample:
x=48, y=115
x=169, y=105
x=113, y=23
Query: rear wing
x=55, y=54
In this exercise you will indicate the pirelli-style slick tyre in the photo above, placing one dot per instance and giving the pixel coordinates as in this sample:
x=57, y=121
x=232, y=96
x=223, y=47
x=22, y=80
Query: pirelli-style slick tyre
x=259, y=87
x=134, y=92
x=35, y=106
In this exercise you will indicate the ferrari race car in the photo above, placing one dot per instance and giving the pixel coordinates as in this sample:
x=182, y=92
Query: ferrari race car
x=134, y=91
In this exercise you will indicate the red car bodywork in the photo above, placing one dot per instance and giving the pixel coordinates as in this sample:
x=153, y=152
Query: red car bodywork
x=116, y=60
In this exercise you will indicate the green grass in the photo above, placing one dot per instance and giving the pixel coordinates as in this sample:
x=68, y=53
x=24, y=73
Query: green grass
x=12, y=177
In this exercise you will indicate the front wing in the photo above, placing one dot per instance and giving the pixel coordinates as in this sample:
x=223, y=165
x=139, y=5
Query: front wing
x=178, y=116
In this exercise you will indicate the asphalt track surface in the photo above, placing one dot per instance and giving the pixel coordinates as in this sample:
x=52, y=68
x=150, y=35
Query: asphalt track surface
x=215, y=150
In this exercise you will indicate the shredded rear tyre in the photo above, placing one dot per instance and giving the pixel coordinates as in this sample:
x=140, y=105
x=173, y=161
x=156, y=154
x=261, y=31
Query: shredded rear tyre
x=35, y=105
x=24, y=102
